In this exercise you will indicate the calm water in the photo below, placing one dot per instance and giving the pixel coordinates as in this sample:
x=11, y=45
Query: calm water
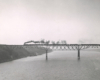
x=61, y=65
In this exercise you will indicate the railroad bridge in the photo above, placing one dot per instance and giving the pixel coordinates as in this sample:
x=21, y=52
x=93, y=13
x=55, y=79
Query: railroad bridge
x=77, y=47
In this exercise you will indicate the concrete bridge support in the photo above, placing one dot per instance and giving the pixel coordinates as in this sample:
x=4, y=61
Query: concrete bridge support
x=78, y=53
x=46, y=54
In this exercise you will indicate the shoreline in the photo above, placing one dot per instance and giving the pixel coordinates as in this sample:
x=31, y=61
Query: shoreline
x=14, y=52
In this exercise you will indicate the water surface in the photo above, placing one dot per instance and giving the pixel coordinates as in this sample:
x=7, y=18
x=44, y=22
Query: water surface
x=61, y=65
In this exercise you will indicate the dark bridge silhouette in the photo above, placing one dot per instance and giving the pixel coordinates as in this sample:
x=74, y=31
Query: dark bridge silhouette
x=77, y=47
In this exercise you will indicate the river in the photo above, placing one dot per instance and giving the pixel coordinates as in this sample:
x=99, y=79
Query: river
x=61, y=65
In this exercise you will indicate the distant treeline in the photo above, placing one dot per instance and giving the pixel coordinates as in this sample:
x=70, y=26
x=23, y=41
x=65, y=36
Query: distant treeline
x=12, y=52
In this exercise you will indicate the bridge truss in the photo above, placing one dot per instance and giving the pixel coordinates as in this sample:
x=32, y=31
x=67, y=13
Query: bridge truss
x=77, y=47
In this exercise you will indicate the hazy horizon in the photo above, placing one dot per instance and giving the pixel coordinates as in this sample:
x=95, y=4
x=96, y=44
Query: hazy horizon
x=71, y=20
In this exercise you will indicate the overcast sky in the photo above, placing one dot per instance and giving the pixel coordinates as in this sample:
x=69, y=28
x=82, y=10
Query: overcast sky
x=71, y=20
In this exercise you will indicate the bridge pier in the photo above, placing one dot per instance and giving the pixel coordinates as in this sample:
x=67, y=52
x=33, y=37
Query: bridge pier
x=46, y=54
x=78, y=53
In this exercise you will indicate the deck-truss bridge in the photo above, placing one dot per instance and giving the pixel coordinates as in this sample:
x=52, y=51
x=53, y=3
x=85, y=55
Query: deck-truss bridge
x=77, y=47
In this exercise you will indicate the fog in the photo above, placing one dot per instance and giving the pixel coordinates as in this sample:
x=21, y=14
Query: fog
x=71, y=20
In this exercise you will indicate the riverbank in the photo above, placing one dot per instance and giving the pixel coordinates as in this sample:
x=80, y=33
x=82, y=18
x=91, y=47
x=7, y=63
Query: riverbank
x=12, y=52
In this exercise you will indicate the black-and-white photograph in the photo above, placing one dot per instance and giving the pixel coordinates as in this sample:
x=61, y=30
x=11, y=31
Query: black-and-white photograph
x=49, y=39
